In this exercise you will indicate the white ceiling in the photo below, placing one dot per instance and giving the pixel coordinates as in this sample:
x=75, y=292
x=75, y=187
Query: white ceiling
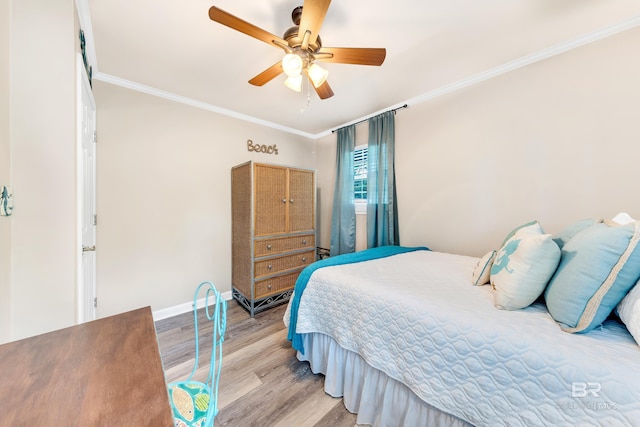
x=171, y=48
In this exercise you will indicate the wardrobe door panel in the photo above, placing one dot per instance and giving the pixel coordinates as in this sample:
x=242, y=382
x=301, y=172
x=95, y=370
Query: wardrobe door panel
x=301, y=200
x=270, y=200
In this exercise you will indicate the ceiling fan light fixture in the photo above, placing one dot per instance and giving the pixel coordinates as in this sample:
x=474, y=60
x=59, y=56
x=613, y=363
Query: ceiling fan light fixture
x=317, y=74
x=294, y=82
x=292, y=64
x=302, y=46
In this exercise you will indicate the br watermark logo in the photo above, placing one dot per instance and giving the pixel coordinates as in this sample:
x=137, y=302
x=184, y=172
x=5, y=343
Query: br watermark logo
x=582, y=389
x=586, y=395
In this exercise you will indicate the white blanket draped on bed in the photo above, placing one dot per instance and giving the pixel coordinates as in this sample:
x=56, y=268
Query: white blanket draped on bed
x=417, y=318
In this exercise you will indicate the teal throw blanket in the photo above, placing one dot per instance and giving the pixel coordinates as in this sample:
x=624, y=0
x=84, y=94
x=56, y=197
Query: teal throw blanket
x=303, y=279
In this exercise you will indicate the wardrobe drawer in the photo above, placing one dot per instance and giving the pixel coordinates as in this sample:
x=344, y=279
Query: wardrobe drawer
x=283, y=244
x=274, y=285
x=287, y=262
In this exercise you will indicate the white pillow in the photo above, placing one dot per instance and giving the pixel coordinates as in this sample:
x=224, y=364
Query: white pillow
x=482, y=270
x=522, y=268
x=623, y=218
x=629, y=311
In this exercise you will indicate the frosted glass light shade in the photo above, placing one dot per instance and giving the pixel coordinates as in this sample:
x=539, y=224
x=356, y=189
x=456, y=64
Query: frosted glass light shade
x=317, y=74
x=292, y=64
x=294, y=82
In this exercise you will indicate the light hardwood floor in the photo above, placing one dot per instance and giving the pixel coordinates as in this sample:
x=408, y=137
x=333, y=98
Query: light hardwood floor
x=262, y=382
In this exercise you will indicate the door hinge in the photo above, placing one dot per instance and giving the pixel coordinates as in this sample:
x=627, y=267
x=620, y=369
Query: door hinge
x=95, y=219
x=95, y=302
x=95, y=136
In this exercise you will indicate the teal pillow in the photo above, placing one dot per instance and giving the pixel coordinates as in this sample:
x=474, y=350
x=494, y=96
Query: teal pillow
x=598, y=267
x=561, y=238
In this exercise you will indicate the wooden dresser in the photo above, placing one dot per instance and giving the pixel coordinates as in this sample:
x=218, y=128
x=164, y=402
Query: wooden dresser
x=273, y=229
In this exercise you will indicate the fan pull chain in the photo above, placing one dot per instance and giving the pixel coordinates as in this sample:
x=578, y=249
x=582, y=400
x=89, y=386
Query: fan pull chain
x=308, y=85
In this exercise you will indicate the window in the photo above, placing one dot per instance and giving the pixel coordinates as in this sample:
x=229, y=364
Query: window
x=360, y=178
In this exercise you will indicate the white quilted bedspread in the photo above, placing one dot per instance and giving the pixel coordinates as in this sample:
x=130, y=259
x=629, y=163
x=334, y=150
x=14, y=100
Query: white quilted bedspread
x=417, y=317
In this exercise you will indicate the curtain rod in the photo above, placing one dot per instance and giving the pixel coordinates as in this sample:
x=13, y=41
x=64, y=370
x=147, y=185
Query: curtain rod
x=364, y=120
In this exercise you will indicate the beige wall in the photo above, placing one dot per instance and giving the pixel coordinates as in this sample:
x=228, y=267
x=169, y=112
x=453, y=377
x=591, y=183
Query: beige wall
x=326, y=181
x=164, y=196
x=43, y=135
x=5, y=174
x=555, y=141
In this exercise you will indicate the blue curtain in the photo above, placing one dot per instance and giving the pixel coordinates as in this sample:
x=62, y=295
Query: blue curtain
x=343, y=218
x=382, y=203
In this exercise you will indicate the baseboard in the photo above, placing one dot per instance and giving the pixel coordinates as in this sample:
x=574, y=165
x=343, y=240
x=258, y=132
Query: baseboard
x=165, y=313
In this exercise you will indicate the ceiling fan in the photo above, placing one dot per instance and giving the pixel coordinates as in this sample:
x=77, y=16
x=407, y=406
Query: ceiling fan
x=303, y=48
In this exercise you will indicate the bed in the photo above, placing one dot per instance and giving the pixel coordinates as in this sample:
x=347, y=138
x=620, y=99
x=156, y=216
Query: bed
x=407, y=340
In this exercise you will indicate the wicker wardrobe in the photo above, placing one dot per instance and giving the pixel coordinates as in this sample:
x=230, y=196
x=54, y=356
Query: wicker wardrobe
x=273, y=226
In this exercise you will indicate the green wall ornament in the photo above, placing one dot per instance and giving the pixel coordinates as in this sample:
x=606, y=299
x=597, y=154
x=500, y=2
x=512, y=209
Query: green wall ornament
x=6, y=201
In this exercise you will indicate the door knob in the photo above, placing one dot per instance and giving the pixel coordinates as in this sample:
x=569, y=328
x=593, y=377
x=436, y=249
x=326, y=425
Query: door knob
x=89, y=248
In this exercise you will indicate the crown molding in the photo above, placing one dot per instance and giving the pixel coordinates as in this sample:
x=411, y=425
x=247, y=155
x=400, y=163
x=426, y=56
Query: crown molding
x=507, y=67
x=460, y=84
x=530, y=59
x=107, y=78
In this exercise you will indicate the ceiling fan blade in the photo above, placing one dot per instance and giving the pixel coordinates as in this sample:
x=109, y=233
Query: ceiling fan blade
x=313, y=13
x=324, y=91
x=267, y=75
x=352, y=55
x=238, y=24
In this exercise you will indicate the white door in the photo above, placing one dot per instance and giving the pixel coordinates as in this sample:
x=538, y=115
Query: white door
x=86, y=292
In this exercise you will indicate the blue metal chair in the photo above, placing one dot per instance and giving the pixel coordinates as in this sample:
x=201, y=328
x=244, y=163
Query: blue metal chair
x=195, y=403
